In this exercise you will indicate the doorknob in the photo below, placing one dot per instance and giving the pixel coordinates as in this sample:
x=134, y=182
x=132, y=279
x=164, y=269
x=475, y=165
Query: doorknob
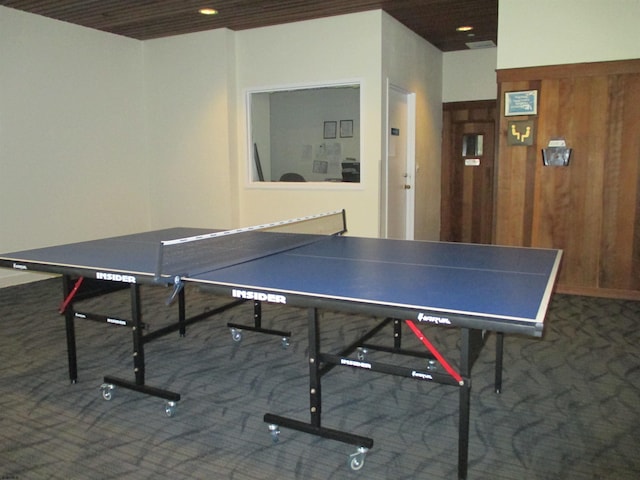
x=407, y=187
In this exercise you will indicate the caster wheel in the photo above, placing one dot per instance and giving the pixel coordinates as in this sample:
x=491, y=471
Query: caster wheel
x=285, y=343
x=236, y=335
x=356, y=460
x=170, y=409
x=274, y=430
x=108, y=390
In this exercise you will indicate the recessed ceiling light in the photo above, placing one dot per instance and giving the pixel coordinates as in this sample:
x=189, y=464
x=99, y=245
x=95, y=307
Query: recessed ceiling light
x=464, y=28
x=208, y=11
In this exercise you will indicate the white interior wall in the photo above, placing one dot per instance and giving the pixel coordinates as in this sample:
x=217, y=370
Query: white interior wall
x=469, y=75
x=413, y=64
x=188, y=87
x=72, y=164
x=552, y=32
x=141, y=135
x=312, y=53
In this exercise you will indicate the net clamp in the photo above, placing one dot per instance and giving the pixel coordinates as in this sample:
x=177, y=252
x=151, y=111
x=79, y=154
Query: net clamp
x=178, y=285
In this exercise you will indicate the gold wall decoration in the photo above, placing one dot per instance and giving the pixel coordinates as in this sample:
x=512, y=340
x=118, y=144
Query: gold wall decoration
x=520, y=133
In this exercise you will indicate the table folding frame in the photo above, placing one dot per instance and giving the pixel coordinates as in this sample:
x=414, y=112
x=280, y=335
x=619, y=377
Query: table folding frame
x=320, y=363
x=73, y=292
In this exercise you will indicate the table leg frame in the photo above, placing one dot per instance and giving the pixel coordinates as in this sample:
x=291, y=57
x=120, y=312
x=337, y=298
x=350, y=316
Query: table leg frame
x=471, y=343
x=139, y=338
x=257, y=324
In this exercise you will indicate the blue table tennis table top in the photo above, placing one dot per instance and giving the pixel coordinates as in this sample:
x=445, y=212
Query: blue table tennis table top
x=502, y=288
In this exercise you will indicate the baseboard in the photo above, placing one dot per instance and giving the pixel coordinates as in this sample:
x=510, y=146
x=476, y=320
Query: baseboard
x=20, y=278
x=600, y=292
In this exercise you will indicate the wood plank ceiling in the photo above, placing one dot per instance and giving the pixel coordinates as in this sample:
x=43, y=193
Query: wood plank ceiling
x=434, y=20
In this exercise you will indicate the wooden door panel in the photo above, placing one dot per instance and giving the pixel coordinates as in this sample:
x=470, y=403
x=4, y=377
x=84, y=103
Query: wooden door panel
x=467, y=180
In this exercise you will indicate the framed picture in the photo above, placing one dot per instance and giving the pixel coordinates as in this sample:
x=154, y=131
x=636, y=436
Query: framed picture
x=521, y=103
x=346, y=128
x=330, y=129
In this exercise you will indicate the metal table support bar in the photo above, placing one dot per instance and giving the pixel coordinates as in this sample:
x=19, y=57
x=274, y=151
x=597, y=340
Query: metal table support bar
x=319, y=363
x=139, y=339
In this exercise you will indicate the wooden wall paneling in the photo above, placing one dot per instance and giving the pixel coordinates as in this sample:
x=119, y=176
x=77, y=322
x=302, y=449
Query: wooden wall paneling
x=568, y=199
x=590, y=209
x=619, y=264
x=512, y=179
x=445, y=183
x=484, y=188
x=611, y=248
x=551, y=194
x=457, y=200
x=585, y=215
x=466, y=193
x=532, y=173
x=632, y=133
x=589, y=124
x=488, y=229
x=616, y=67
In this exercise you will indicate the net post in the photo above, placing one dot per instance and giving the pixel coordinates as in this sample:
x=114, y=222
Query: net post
x=344, y=222
x=160, y=256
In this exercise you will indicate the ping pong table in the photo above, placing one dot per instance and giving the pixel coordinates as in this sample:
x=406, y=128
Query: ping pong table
x=310, y=263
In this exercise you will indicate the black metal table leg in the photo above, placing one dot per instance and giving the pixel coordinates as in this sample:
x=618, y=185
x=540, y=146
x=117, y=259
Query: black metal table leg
x=471, y=342
x=257, y=326
x=138, y=341
x=72, y=360
x=463, y=433
x=315, y=387
x=499, y=359
x=314, y=426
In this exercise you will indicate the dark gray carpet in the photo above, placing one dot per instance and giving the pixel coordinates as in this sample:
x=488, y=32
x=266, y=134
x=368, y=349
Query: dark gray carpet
x=570, y=407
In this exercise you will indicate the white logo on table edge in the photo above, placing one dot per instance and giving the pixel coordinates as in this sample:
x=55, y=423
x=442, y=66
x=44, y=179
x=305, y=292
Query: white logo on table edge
x=355, y=363
x=18, y=266
x=432, y=319
x=421, y=375
x=260, y=296
x=115, y=277
x=116, y=321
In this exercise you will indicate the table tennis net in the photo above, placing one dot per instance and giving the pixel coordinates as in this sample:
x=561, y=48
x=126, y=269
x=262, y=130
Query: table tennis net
x=190, y=256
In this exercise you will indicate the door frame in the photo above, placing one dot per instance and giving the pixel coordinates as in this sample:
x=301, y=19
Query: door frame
x=410, y=196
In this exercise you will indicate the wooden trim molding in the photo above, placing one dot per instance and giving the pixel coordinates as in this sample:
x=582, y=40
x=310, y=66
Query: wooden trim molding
x=599, y=292
x=469, y=105
x=617, y=67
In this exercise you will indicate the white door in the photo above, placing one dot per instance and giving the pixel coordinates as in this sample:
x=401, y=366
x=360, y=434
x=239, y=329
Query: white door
x=400, y=162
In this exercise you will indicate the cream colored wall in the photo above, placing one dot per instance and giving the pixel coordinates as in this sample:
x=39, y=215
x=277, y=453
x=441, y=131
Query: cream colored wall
x=469, y=75
x=413, y=64
x=189, y=94
x=110, y=135
x=335, y=49
x=553, y=32
x=72, y=166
